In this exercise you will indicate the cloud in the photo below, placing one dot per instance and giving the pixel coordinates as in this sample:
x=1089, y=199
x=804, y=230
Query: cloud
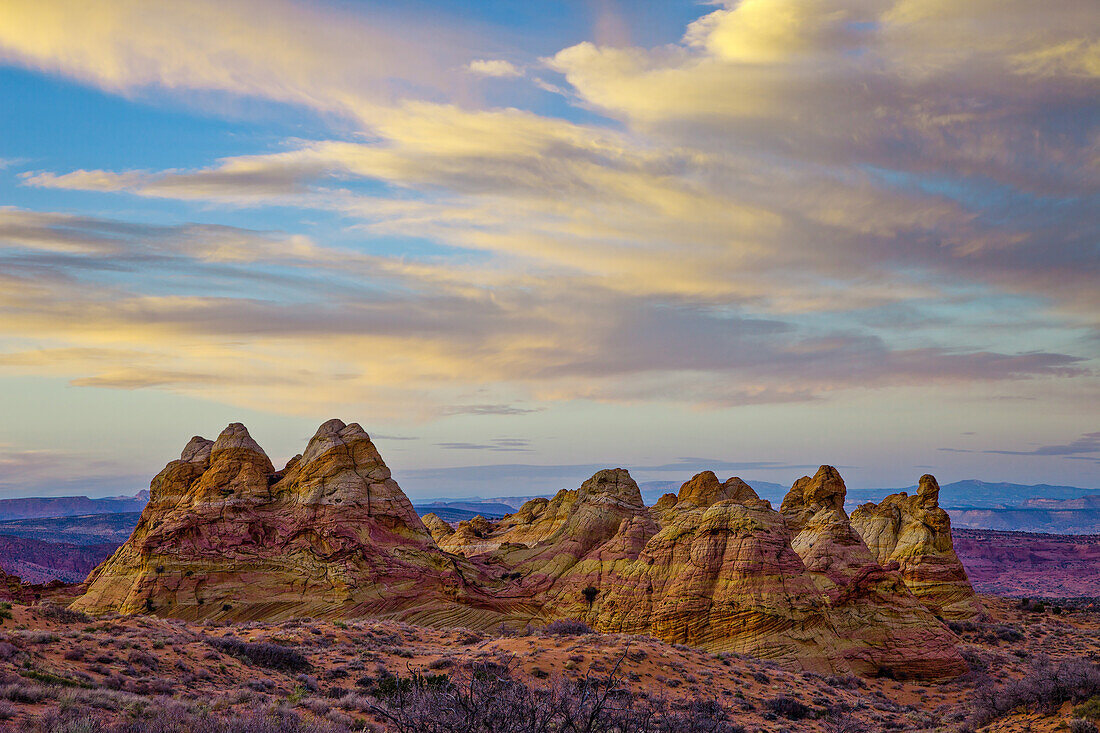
x=547, y=479
x=494, y=67
x=310, y=325
x=319, y=58
x=490, y=410
x=794, y=201
x=1087, y=443
x=55, y=472
x=499, y=445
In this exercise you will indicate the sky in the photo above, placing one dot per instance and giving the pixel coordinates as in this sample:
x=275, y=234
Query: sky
x=518, y=240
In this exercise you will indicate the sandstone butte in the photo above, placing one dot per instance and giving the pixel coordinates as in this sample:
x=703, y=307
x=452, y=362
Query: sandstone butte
x=331, y=535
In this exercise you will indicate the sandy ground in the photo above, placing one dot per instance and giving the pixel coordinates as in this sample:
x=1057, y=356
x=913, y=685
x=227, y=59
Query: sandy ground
x=116, y=663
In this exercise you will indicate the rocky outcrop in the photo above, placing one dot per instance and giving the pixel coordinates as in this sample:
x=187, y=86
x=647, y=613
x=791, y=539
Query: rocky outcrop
x=715, y=571
x=470, y=537
x=915, y=533
x=718, y=573
x=881, y=625
x=437, y=527
x=226, y=536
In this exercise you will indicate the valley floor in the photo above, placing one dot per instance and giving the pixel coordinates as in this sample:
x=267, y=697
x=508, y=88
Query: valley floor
x=60, y=671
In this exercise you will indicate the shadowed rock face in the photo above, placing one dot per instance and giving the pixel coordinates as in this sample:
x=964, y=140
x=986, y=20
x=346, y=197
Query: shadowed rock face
x=915, y=533
x=880, y=623
x=226, y=536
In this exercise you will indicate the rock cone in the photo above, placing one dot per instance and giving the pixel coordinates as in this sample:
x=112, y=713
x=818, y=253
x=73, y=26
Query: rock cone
x=226, y=536
x=915, y=533
x=881, y=624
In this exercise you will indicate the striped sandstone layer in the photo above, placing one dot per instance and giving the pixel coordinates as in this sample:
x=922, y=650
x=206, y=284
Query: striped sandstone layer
x=882, y=626
x=226, y=536
x=915, y=533
x=331, y=535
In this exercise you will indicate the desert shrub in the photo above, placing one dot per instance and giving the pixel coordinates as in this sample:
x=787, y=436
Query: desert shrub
x=7, y=710
x=848, y=682
x=273, y=656
x=173, y=718
x=143, y=659
x=1081, y=726
x=566, y=627
x=308, y=682
x=1090, y=709
x=23, y=692
x=62, y=614
x=993, y=633
x=7, y=651
x=788, y=707
x=490, y=700
x=1044, y=688
x=388, y=685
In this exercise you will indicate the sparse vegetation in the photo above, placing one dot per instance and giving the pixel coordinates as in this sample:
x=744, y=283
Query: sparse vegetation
x=1046, y=686
x=273, y=656
x=490, y=699
x=62, y=614
x=568, y=627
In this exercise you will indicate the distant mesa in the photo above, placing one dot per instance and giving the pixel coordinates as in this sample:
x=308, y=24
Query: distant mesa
x=226, y=536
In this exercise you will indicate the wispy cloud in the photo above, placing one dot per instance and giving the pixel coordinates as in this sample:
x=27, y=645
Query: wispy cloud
x=1087, y=443
x=504, y=445
x=494, y=67
x=1078, y=449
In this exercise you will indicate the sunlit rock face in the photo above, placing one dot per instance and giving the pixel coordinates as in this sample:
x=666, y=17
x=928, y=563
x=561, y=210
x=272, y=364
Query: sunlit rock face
x=880, y=623
x=226, y=536
x=915, y=533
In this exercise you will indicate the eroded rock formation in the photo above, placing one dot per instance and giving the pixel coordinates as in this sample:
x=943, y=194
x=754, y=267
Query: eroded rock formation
x=915, y=533
x=226, y=536
x=881, y=625
x=331, y=534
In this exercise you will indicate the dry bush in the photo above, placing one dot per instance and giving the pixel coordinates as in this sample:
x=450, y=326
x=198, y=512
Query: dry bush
x=273, y=656
x=169, y=717
x=566, y=627
x=61, y=614
x=1044, y=688
x=488, y=699
x=788, y=707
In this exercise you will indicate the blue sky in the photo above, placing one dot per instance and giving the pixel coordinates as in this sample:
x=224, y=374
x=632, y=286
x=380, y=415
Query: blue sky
x=762, y=234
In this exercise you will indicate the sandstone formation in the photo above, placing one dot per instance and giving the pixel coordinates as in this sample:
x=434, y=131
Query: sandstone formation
x=718, y=572
x=915, y=533
x=437, y=527
x=882, y=626
x=226, y=536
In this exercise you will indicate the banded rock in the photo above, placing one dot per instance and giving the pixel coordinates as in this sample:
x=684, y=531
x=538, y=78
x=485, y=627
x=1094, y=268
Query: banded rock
x=915, y=533
x=226, y=536
x=881, y=625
